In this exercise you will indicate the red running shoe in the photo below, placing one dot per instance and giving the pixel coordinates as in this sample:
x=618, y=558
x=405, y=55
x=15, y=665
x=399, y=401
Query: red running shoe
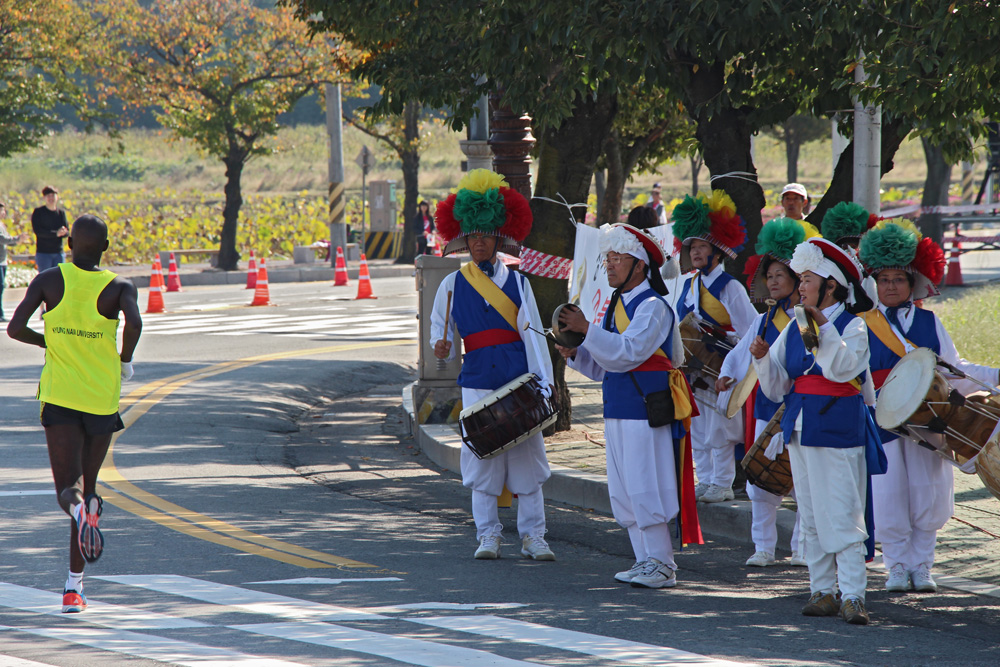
x=89, y=536
x=73, y=602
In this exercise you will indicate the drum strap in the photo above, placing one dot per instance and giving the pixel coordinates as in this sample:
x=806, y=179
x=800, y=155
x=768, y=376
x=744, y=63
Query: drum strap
x=880, y=326
x=493, y=294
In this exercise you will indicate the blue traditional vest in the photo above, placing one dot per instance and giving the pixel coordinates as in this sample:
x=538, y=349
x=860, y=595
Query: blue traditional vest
x=763, y=407
x=493, y=366
x=922, y=333
x=715, y=290
x=621, y=399
x=827, y=421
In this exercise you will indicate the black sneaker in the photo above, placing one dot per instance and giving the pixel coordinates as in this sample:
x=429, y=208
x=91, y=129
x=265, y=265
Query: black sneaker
x=89, y=536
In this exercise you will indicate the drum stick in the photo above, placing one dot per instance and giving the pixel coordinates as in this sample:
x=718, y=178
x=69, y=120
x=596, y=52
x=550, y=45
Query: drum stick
x=443, y=363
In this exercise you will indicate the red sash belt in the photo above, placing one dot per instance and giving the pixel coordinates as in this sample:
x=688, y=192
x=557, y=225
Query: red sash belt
x=489, y=337
x=879, y=376
x=819, y=385
x=654, y=363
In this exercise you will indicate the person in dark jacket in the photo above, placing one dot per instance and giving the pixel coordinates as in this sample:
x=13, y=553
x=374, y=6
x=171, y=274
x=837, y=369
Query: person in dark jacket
x=423, y=226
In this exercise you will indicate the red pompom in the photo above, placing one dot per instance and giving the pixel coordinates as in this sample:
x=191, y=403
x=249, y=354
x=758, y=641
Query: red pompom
x=930, y=260
x=750, y=269
x=518, y=222
x=727, y=228
x=444, y=220
x=678, y=245
x=873, y=220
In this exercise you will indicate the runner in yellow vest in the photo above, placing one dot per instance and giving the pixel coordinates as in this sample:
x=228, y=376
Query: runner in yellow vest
x=81, y=380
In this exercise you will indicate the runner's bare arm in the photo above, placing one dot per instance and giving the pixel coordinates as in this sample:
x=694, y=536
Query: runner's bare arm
x=128, y=302
x=18, y=328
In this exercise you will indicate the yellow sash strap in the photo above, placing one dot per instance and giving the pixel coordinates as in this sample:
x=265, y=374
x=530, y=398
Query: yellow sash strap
x=679, y=389
x=879, y=325
x=493, y=294
x=712, y=306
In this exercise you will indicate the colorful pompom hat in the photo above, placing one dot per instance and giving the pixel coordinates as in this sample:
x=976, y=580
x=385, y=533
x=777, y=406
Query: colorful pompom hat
x=711, y=218
x=776, y=242
x=846, y=222
x=829, y=260
x=898, y=244
x=483, y=203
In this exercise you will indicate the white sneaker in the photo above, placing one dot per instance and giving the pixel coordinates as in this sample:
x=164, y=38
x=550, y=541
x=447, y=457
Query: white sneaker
x=761, y=559
x=923, y=582
x=535, y=546
x=717, y=494
x=489, y=547
x=797, y=560
x=899, y=579
x=654, y=574
x=700, y=488
x=628, y=575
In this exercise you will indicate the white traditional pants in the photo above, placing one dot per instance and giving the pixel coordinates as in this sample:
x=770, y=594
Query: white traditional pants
x=913, y=500
x=523, y=469
x=830, y=487
x=713, y=441
x=642, y=484
x=764, y=512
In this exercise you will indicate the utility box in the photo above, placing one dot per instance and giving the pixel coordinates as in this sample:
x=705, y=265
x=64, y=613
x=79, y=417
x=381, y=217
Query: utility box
x=436, y=396
x=382, y=206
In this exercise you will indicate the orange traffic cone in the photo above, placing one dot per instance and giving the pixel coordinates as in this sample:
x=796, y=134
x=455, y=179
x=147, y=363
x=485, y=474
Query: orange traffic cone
x=173, y=278
x=252, y=272
x=261, y=297
x=155, y=303
x=954, y=277
x=364, y=281
x=340, y=271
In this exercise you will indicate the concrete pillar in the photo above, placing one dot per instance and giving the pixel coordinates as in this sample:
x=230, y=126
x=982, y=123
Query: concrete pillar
x=867, y=149
x=335, y=168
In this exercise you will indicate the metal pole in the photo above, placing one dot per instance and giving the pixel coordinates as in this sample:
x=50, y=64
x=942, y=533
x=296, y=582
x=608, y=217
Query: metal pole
x=867, y=149
x=335, y=168
x=364, y=173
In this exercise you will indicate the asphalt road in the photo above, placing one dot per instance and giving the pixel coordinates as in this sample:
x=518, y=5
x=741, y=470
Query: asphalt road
x=265, y=506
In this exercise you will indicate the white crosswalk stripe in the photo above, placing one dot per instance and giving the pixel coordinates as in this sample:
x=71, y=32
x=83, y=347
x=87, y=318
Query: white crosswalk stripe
x=311, y=623
x=384, y=323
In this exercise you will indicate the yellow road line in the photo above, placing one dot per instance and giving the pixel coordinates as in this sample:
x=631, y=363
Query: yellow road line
x=131, y=498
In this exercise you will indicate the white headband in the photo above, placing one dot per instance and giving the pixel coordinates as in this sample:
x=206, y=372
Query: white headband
x=809, y=257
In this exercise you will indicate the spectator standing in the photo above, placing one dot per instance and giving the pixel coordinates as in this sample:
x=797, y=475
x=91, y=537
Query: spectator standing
x=423, y=226
x=5, y=240
x=49, y=225
x=656, y=203
x=795, y=201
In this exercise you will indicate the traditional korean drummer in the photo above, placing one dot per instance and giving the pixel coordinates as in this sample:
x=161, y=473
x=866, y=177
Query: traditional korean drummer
x=490, y=306
x=915, y=497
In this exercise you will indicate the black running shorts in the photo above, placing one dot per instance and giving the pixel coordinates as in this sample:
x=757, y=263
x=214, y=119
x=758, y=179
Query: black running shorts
x=56, y=415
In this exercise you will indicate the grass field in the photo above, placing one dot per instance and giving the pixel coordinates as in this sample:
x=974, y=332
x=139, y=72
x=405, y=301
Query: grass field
x=970, y=315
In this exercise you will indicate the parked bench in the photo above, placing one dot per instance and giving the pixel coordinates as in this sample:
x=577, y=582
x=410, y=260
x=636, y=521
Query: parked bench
x=213, y=255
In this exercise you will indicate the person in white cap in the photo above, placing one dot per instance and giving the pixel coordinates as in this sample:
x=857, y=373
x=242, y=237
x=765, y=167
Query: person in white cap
x=706, y=231
x=795, y=201
x=915, y=497
x=630, y=353
x=656, y=203
x=829, y=431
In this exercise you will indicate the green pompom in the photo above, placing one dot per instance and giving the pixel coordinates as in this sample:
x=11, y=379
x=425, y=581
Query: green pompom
x=480, y=212
x=779, y=237
x=844, y=219
x=888, y=245
x=690, y=218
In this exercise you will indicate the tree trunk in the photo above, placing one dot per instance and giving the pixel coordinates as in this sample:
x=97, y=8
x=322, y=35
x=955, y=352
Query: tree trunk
x=792, y=146
x=567, y=156
x=611, y=209
x=842, y=185
x=228, y=256
x=696, y=161
x=935, y=189
x=601, y=186
x=410, y=157
x=724, y=137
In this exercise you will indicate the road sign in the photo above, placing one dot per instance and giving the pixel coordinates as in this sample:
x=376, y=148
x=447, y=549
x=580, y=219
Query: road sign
x=365, y=159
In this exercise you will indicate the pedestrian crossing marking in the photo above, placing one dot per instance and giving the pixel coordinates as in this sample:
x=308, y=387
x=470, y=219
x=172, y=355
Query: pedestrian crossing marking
x=404, y=649
x=334, y=321
x=28, y=492
x=608, y=648
x=324, y=581
x=10, y=661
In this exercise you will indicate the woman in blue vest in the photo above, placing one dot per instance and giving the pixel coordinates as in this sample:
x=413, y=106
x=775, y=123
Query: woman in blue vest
x=630, y=353
x=915, y=497
x=490, y=308
x=769, y=277
x=707, y=231
x=827, y=426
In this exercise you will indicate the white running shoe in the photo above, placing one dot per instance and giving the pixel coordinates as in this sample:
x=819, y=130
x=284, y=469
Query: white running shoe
x=899, y=579
x=535, y=546
x=700, y=488
x=654, y=574
x=628, y=575
x=761, y=559
x=717, y=494
x=797, y=560
x=489, y=547
x=923, y=582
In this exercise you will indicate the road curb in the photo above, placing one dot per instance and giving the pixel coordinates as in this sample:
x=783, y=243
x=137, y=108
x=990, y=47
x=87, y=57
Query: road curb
x=730, y=520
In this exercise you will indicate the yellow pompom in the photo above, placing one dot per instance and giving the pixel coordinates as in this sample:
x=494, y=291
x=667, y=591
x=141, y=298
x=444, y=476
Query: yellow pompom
x=718, y=200
x=811, y=231
x=482, y=180
x=903, y=223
